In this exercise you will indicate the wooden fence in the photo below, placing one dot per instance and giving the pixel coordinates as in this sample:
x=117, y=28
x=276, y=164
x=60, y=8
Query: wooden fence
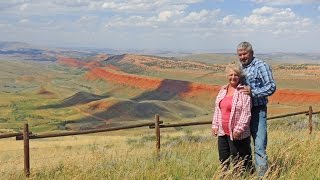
x=26, y=135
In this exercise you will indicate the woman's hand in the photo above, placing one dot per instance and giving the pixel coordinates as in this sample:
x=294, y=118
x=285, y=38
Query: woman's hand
x=214, y=132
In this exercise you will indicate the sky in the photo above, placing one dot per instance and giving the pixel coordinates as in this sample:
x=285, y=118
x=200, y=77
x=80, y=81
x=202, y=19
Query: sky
x=199, y=25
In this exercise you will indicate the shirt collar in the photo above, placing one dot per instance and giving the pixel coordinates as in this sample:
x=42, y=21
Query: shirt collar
x=251, y=63
x=238, y=87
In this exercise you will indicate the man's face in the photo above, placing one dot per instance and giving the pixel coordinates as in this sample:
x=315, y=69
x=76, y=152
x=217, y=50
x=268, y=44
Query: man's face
x=245, y=56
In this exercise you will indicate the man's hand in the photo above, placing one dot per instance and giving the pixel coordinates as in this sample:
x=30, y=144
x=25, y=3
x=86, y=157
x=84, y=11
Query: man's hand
x=236, y=135
x=214, y=132
x=246, y=90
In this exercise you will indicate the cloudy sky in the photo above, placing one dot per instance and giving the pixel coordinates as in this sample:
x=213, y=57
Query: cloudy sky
x=215, y=25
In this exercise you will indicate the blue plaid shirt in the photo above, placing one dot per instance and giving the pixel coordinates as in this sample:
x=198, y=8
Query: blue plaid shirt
x=258, y=76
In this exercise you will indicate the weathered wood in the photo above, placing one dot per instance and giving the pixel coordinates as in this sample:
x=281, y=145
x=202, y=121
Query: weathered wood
x=26, y=150
x=157, y=131
x=287, y=115
x=151, y=125
x=183, y=124
x=49, y=135
x=310, y=119
x=9, y=135
x=317, y=112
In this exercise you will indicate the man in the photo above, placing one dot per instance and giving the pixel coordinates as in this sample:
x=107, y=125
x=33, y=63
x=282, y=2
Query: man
x=259, y=84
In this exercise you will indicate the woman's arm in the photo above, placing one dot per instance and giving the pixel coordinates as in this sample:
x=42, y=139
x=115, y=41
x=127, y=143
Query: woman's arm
x=215, y=118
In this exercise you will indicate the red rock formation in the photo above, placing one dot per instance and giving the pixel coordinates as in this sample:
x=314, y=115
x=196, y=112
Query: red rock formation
x=146, y=83
x=190, y=89
x=290, y=96
x=70, y=61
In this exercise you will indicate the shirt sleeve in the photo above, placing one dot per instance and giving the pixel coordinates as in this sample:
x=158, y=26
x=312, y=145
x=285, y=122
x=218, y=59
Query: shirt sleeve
x=215, y=118
x=245, y=117
x=269, y=85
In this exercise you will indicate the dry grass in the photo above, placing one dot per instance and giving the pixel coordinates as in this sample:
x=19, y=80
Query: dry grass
x=185, y=154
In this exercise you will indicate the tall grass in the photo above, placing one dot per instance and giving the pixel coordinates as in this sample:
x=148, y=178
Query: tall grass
x=186, y=154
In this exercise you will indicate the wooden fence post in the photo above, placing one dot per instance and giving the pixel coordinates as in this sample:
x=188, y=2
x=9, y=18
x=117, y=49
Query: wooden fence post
x=157, y=131
x=26, y=150
x=310, y=119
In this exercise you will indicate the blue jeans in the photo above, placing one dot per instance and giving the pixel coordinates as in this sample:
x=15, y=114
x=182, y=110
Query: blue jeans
x=258, y=127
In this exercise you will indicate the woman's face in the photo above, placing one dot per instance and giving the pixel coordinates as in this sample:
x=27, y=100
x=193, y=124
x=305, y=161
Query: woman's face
x=233, y=77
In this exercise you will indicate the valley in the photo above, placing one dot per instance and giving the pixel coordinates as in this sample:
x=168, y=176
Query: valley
x=103, y=90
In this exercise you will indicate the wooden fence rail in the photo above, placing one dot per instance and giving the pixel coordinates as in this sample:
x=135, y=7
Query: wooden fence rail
x=50, y=135
x=182, y=124
x=287, y=115
x=26, y=135
x=270, y=118
x=19, y=135
x=9, y=135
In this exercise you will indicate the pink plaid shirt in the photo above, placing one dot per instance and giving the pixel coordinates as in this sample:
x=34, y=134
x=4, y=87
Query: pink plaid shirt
x=240, y=115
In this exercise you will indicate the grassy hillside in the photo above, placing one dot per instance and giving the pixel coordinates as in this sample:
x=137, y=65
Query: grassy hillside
x=52, y=97
x=57, y=97
x=27, y=86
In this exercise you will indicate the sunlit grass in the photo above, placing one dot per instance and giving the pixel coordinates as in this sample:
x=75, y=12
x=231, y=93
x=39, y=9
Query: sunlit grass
x=185, y=154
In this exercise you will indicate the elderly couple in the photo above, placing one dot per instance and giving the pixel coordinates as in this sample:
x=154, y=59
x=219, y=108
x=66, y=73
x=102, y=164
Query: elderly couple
x=241, y=111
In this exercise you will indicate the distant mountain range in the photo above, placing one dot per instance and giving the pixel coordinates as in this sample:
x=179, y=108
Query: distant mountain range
x=24, y=51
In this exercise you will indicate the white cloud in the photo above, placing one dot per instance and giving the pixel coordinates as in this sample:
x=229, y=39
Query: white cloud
x=166, y=18
x=271, y=16
x=203, y=16
x=284, y=2
x=196, y=16
x=3, y=25
x=165, y=15
x=147, y=21
x=84, y=19
x=276, y=21
x=24, y=6
x=148, y=5
x=264, y=10
x=255, y=19
x=131, y=5
x=231, y=20
x=110, y=5
x=132, y=21
x=72, y=3
x=24, y=21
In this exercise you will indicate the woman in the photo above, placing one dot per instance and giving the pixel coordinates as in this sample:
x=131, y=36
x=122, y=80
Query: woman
x=231, y=119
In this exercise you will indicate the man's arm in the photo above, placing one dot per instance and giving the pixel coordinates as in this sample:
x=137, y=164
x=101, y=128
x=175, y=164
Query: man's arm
x=269, y=85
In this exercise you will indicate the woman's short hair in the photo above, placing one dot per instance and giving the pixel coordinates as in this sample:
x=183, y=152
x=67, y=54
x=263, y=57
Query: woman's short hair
x=236, y=68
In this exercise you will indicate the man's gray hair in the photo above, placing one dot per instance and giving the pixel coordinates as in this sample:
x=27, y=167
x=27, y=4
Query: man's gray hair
x=245, y=46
